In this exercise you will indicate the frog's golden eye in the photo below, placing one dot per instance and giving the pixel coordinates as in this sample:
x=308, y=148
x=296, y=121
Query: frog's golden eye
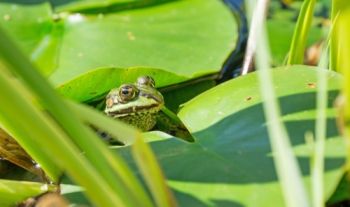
x=127, y=92
x=146, y=80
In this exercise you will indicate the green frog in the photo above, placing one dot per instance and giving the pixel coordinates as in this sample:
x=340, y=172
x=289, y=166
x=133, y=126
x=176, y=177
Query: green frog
x=142, y=105
x=139, y=104
x=136, y=104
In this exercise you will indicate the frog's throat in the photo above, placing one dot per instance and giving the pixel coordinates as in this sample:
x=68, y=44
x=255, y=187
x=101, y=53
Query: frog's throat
x=153, y=108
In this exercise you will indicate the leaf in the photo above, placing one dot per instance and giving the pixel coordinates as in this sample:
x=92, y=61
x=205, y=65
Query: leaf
x=26, y=24
x=152, y=174
x=280, y=26
x=96, y=83
x=13, y=192
x=59, y=123
x=340, y=47
x=178, y=94
x=189, y=38
x=231, y=162
x=32, y=27
x=297, y=48
x=184, y=38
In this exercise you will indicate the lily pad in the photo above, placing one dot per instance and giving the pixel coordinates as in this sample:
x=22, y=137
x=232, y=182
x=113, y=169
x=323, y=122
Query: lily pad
x=231, y=163
x=96, y=83
x=93, y=85
x=189, y=38
x=32, y=27
x=26, y=24
x=183, y=38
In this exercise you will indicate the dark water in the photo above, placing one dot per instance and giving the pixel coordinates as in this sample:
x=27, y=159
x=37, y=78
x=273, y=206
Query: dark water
x=233, y=64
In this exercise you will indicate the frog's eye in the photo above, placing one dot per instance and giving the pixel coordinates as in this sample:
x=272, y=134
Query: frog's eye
x=127, y=92
x=146, y=80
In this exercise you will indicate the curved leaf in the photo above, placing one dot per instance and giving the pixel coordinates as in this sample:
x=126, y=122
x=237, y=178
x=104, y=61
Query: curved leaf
x=98, y=82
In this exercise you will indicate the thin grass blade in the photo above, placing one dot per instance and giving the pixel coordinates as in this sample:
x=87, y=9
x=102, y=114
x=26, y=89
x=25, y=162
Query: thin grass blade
x=121, y=132
x=152, y=174
x=35, y=126
x=317, y=167
x=340, y=61
x=286, y=164
x=95, y=150
x=16, y=191
x=297, y=47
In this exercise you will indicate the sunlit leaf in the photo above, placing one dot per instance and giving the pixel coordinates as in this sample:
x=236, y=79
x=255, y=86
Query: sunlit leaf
x=13, y=192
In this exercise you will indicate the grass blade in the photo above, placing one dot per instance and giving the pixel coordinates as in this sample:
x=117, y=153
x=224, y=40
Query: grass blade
x=340, y=61
x=152, y=174
x=317, y=167
x=16, y=191
x=297, y=47
x=11, y=119
x=35, y=127
x=286, y=164
x=123, y=133
x=119, y=130
x=95, y=150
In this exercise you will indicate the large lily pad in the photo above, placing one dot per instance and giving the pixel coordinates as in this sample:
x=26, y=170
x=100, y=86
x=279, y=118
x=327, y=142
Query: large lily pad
x=188, y=38
x=231, y=163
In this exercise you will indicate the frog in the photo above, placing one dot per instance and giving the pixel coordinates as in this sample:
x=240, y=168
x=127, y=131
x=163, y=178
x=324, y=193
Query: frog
x=137, y=104
x=141, y=105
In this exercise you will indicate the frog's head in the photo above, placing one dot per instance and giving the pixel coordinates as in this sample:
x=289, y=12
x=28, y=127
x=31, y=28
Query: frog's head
x=132, y=99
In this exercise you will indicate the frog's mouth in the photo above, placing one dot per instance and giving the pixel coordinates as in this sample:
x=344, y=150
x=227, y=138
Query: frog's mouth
x=153, y=108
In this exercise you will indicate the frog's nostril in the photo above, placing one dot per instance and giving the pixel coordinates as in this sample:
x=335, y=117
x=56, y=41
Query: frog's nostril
x=109, y=102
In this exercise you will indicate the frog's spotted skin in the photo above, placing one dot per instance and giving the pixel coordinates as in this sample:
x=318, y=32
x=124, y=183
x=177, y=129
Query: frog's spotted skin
x=136, y=104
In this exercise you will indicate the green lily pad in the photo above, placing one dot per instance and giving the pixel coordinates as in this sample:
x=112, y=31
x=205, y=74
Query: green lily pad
x=188, y=38
x=231, y=163
x=96, y=83
x=26, y=24
x=183, y=38
x=33, y=29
